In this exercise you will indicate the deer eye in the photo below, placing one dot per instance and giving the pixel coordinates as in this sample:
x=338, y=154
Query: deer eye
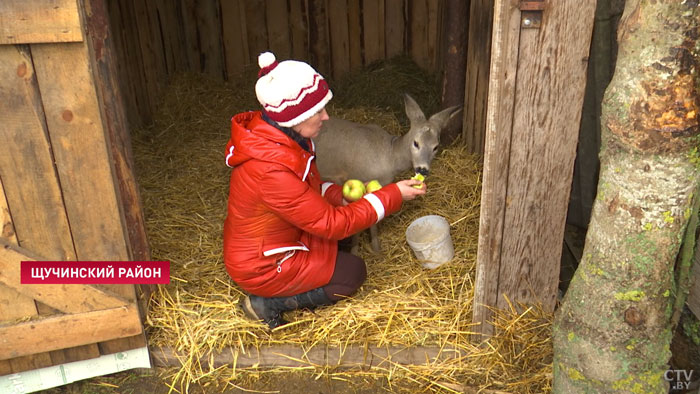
x=435, y=149
x=415, y=143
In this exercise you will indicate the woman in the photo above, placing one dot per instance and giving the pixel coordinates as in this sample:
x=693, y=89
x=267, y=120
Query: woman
x=283, y=223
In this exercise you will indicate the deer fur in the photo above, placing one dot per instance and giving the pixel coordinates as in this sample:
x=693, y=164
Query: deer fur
x=348, y=150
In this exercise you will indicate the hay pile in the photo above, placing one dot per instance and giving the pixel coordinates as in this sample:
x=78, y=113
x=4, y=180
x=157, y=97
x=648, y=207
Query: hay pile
x=180, y=167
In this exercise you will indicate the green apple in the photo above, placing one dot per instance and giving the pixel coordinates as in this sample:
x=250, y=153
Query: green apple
x=353, y=189
x=373, y=186
x=419, y=177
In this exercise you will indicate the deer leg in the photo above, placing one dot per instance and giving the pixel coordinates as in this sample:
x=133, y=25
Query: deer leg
x=376, y=242
x=355, y=248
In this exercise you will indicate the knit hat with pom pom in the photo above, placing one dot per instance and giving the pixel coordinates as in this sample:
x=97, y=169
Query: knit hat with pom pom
x=290, y=91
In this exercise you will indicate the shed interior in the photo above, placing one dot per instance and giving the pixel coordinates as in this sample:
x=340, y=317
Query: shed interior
x=183, y=68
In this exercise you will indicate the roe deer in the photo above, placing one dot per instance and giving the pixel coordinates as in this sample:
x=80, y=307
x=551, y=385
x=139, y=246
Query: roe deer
x=347, y=150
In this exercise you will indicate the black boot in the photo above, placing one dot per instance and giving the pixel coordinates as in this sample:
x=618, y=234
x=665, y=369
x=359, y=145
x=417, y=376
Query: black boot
x=269, y=310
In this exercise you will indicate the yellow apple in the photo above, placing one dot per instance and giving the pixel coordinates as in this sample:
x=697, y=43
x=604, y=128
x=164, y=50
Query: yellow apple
x=373, y=186
x=419, y=177
x=353, y=189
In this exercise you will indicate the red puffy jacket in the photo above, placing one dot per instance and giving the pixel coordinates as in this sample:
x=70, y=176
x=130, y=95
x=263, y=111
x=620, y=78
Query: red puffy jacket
x=282, y=227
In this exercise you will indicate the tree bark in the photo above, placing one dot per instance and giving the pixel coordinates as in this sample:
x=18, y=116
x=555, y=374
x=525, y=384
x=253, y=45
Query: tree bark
x=613, y=330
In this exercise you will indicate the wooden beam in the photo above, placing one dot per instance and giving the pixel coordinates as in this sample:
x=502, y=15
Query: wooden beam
x=299, y=30
x=27, y=168
x=501, y=100
x=63, y=331
x=277, y=21
x=65, y=298
x=234, y=38
x=39, y=21
x=295, y=356
x=256, y=29
x=481, y=20
x=550, y=88
x=541, y=110
x=373, y=30
x=355, y=34
x=395, y=28
x=78, y=140
x=339, y=36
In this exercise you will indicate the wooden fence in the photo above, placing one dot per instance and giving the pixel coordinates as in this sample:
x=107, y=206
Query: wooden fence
x=156, y=39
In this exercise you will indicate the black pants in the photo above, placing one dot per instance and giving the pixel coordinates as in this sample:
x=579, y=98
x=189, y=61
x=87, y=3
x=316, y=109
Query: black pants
x=349, y=274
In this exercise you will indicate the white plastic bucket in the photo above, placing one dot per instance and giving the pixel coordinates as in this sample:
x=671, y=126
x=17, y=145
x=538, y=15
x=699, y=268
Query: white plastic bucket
x=429, y=237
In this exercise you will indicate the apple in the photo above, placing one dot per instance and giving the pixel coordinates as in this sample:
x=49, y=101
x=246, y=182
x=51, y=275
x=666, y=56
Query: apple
x=419, y=177
x=373, y=186
x=353, y=189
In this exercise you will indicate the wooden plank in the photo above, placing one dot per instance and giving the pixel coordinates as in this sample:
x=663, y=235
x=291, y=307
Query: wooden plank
x=234, y=38
x=149, y=44
x=354, y=34
x=501, y=101
x=211, y=50
x=129, y=63
x=26, y=163
x=434, y=35
x=477, y=78
x=419, y=25
x=395, y=27
x=80, y=151
x=36, y=21
x=373, y=29
x=65, y=298
x=62, y=356
x=256, y=29
x=115, y=124
x=339, y=37
x=14, y=305
x=39, y=335
x=299, y=30
x=7, y=229
x=551, y=83
x=189, y=27
x=118, y=136
x=295, y=356
x=318, y=36
x=277, y=21
x=75, y=123
x=454, y=63
x=169, y=16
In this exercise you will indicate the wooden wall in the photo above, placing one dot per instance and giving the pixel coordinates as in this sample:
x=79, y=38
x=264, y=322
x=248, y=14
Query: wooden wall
x=156, y=39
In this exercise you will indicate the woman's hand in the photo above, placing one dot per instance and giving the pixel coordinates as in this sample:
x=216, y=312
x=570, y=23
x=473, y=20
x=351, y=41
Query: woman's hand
x=408, y=192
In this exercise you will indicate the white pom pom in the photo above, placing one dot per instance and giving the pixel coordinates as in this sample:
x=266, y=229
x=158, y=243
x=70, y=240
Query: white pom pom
x=266, y=59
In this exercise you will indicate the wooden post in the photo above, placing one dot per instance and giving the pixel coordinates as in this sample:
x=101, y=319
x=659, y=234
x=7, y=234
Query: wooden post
x=318, y=36
x=532, y=132
x=455, y=60
x=477, y=78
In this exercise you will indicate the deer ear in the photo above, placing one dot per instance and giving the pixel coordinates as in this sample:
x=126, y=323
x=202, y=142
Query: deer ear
x=413, y=111
x=443, y=117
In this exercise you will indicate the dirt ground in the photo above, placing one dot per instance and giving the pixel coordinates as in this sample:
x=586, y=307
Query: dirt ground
x=148, y=381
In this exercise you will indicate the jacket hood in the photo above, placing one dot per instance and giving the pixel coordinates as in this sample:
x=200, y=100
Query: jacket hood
x=253, y=138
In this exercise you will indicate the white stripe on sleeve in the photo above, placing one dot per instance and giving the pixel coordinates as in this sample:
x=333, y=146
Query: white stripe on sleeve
x=376, y=204
x=230, y=153
x=324, y=187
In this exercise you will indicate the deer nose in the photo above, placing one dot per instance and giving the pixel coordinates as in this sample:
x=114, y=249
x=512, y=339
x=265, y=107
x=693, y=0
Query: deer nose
x=422, y=170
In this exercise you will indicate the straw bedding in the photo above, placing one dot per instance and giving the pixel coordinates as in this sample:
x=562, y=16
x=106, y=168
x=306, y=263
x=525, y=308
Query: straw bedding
x=184, y=183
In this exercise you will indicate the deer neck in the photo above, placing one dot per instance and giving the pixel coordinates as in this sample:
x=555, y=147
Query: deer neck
x=401, y=152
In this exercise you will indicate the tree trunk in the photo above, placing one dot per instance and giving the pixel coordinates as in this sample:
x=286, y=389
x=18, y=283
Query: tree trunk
x=613, y=330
